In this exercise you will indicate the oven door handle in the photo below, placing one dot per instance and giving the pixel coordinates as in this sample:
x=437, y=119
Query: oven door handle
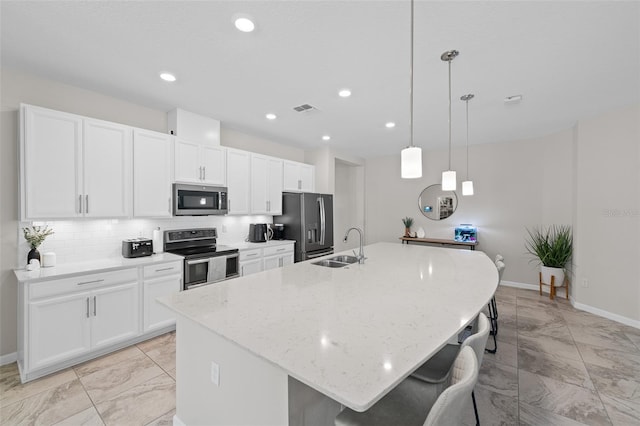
x=196, y=262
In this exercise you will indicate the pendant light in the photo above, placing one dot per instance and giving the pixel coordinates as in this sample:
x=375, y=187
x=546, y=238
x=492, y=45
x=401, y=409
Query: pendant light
x=467, y=185
x=411, y=156
x=449, y=177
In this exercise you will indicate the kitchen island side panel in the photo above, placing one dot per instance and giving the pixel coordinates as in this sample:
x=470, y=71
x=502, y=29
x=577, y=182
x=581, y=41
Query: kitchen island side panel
x=251, y=391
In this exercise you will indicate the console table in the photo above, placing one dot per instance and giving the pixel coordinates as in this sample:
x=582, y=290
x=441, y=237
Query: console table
x=471, y=244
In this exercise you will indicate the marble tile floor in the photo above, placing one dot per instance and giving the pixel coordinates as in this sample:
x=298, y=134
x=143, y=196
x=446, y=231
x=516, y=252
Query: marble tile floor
x=555, y=366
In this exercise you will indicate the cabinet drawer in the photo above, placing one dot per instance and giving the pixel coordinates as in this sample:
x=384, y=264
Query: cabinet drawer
x=250, y=254
x=162, y=269
x=268, y=251
x=81, y=282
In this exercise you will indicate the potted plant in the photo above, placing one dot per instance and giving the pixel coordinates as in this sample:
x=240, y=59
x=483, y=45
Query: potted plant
x=552, y=247
x=408, y=221
x=35, y=235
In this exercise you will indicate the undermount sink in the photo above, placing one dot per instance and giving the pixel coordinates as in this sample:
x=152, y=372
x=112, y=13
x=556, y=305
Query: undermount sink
x=344, y=258
x=337, y=261
x=330, y=263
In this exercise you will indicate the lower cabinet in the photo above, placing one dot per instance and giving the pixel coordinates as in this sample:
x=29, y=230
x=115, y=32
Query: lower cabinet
x=262, y=259
x=65, y=321
x=158, y=281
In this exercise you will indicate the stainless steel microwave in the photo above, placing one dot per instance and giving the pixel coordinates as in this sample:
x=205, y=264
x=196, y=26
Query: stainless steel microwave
x=199, y=200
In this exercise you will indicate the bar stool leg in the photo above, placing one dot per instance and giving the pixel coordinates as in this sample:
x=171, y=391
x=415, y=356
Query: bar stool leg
x=475, y=408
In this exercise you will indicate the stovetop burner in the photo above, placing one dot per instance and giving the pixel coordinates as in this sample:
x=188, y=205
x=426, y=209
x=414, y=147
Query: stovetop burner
x=197, y=251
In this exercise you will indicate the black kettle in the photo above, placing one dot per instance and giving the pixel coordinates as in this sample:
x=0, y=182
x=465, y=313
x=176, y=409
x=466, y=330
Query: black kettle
x=259, y=233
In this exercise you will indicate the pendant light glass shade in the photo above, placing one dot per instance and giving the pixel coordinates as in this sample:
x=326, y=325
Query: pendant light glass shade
x=467, y=187
x=449, y=177
x=411, y=156
x=449, y=180
x=411, y=162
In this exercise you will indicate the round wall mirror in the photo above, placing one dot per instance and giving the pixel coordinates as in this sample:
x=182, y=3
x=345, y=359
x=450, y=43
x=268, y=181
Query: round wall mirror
x=437, y=204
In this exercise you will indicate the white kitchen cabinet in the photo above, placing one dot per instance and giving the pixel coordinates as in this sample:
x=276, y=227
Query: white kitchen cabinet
x=59, y=329
x=107, y=174
x=68, y=320
x=160, y=280
x=116, y=314
x=266, y=185
x=199, y=163
x=278, y=256
x=70, y=317
x=238, y=181
x=50, y=159
x=250, y=267
x=73, y=166
x=151, y=174
x=298, y=177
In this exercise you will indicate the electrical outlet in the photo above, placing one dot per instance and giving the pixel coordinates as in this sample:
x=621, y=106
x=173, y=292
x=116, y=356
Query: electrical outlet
x=215, y=373
x=585, y=283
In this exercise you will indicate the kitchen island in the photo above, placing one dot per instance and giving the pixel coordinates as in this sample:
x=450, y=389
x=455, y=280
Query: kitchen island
x=261, y=348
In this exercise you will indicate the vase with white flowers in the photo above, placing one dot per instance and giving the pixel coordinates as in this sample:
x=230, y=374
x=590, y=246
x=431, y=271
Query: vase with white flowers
x=35, y=235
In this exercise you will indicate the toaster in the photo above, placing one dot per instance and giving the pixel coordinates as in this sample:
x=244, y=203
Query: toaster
x=137, y=247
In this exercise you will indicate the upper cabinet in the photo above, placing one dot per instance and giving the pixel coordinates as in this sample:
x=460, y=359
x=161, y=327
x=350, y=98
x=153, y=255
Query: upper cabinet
x=238, y=181
x=298, y=177
x=73, y=166
x=199, y=163
x=151, y=174
x=266, y=185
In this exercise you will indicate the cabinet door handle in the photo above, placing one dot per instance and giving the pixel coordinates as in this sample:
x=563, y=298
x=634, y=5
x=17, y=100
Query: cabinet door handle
x=169, y=205
x=86, y=203
x=280, y=262
x=95, y=306
x=90, y=282
x=242, y=271
x=204, y=173
x=299, y=184
x=281, y=249
x=87, y=307
x=80, y=204
x=164, y=269
x=252, y=254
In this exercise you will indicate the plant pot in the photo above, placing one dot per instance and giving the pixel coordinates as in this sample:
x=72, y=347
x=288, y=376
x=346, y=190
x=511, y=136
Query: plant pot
x=33, y=254
x=547, y=272
x=407, y=232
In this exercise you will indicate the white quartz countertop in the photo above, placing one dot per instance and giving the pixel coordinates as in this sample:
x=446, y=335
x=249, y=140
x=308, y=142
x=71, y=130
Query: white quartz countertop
x=352, y=333
x=67, y=270
x=271, y=243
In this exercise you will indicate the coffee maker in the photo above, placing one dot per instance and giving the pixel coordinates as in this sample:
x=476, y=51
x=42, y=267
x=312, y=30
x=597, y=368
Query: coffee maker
x=259, y=233
x=278, y=231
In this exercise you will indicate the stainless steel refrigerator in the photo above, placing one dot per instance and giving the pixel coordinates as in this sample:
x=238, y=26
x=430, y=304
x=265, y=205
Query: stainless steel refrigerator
x=308, y=219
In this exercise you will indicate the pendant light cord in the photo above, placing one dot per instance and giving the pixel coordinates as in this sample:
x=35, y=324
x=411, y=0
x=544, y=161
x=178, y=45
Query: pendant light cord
x=467, y=102
x=411, y=84
x=449, y=114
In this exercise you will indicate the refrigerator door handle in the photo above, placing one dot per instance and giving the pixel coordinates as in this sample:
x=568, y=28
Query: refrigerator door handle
x=322, y=220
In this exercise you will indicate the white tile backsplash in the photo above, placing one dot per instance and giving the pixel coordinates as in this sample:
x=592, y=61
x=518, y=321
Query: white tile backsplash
x=83, y=240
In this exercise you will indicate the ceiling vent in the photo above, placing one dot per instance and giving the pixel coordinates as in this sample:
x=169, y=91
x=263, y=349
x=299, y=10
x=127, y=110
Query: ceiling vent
x=305, y=108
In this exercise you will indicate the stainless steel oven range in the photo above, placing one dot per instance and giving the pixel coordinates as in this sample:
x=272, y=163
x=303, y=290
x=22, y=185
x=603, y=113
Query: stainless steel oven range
x=205, y=262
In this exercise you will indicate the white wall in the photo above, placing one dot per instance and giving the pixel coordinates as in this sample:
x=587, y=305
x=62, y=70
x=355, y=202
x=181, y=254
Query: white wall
x=348, y=204
x=517, y=185
x=77, y=240
x=607, y=254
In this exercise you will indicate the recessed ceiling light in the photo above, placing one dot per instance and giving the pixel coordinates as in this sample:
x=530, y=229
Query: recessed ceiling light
x=390, y=125
x=512, y=99
x=167, y=76
x=344, y=93
x=245, y=25
x=326, y=137
x=271, y=116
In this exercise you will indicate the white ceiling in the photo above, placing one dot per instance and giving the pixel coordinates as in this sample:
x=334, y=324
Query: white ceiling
x=569, y=60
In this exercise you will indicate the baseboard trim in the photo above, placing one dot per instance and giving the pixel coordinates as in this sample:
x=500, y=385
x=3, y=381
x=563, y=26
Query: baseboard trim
x=581, y=306
x=177, y=421
x=8, y=358
x=606, y=314
x=519, y=285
